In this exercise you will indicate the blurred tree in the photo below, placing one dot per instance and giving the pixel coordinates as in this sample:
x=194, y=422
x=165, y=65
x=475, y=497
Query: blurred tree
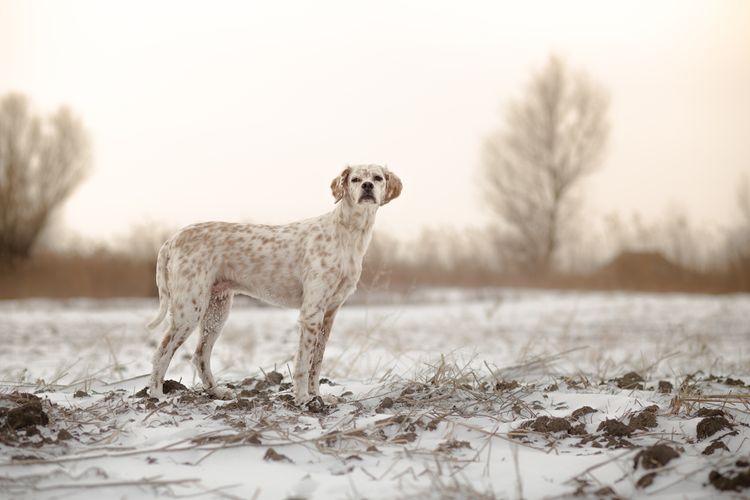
x=555, y=135
x=41, y=162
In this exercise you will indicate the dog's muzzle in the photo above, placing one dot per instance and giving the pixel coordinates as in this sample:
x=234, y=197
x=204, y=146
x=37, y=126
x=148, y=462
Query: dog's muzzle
x=367, y=194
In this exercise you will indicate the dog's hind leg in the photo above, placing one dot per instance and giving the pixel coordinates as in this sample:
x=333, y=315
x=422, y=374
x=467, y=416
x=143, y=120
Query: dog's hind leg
x=211, y=324
x=184, y=319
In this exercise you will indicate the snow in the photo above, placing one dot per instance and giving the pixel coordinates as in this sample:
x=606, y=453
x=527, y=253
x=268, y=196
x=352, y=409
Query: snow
x=438, y=354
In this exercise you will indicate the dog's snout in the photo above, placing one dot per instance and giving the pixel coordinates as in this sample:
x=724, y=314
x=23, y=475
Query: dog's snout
x=367, y=186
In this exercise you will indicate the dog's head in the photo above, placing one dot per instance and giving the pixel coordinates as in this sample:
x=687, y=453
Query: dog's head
x=366, y=184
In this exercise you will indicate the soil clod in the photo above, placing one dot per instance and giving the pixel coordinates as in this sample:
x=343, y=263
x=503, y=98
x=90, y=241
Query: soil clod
x=452, y=444
x=549, y=424
x=615, y=428
x=665, y=387
x=26, y=416
x=275, y=456
x=583, y=410
x=645, y=419
x=384, y=405
x=709, y=412
x=64, y=435
x=274, y=377
x=315, y=405
x=655, y=456
x=711, y=425
x=734, y=381
x=630, y=380
x=716, y=445
x=646, y=480
x=173, y=386
x=506, y=385
x=733, y=478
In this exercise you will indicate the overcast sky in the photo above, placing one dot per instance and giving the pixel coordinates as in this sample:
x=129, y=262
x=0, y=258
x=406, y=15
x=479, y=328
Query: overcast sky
x=246, y=111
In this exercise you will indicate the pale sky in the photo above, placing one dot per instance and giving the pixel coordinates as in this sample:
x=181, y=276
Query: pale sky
x=246, y=111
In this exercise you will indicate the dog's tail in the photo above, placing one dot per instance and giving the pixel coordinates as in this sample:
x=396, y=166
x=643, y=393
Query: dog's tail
x=161, y=284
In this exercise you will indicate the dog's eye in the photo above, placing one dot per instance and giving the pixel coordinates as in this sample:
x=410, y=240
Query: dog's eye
x=377, y=178
x=355, y=180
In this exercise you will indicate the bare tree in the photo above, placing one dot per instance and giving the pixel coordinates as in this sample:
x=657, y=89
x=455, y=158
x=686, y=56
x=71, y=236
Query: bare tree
x=41, y=162
x=555, y=135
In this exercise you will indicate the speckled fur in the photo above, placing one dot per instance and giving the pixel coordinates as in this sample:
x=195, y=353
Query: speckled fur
x=313, y=265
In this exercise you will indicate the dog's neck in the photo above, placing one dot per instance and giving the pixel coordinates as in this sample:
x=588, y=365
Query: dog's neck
x=355, y=222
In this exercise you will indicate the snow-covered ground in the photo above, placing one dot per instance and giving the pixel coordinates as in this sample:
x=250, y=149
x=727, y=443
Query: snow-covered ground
x=441, y=394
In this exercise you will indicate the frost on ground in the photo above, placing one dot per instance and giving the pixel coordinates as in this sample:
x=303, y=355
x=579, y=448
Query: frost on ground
x=442, y=394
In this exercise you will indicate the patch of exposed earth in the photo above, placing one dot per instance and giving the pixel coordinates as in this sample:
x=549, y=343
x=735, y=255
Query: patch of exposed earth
x=403, y=436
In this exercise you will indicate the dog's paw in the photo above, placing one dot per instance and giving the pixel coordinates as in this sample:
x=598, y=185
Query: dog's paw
x=222, y=393
x=153, y=392
x=302, y=398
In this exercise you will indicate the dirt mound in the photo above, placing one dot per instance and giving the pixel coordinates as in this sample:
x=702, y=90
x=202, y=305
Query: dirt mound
x=665, y=387
x=547, y=424
x=615, y=428
x=716, y=445
x=583, y=410
x=27, y=415
x=630, y=380
x=711, y=425
x=645, y=419
x=733, y=478
x=173, y=386
x=655, y=456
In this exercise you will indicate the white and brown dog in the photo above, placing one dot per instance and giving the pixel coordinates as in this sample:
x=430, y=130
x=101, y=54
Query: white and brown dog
x=313, y=265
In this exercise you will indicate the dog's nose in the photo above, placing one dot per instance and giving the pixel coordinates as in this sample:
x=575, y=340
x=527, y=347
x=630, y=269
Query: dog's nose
x=367, y=186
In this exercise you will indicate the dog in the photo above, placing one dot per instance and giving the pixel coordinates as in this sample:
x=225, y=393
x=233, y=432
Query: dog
x=312, y=265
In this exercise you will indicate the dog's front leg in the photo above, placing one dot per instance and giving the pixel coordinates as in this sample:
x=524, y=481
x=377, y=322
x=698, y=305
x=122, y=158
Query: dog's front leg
x=319, y=350
x=310, y=327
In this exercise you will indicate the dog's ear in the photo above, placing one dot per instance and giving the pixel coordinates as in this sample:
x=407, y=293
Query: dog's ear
x=392, y=186
x=338, y=185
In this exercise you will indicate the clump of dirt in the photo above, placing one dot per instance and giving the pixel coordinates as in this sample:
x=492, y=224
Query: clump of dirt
x=316, y=405
x=173, y=386
x=239, y=404
x=615, y=428
x=716, y=445
x=578, y=430
x=709, y=412
x=646, y=480
x=734, y=381
x=384, y=405
x=665, y=387
x=406, y=437
x=275, y=456
x=64, y=435
x=655, y=456
x=547, y=424
x=726, y=380
x=27, y=415
x=606, y=492
x=711, y=425
x=630, y=380
x=645, y=419
x=274, y=377
x=506, y=385
x=196, y=398
x=451, y=445
x=733, y=478
x=583, y=410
